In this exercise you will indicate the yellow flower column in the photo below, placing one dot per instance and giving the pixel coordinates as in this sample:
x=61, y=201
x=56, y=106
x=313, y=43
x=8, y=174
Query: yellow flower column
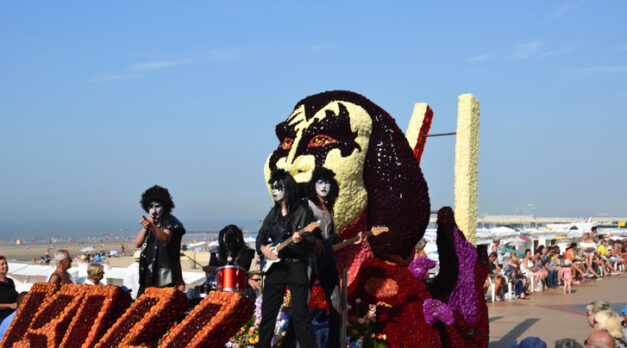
x=466, y=165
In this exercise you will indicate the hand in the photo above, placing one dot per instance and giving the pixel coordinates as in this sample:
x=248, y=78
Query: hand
x=319, y=247
x=269, y=254
x=146, y=221
x=360, y=239
x=297, y=237
x=208, y=269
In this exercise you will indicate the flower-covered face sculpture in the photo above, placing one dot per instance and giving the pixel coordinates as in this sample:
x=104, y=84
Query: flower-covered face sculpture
x=336, y=137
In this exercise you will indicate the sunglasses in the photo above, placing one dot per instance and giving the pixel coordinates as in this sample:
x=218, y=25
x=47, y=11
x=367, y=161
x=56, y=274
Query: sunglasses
x=255, y=279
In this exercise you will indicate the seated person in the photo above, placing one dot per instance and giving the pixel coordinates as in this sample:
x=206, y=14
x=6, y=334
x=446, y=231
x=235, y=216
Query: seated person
x=512, y=271
x=232, y=250
x=603, y=254
x=494, y=276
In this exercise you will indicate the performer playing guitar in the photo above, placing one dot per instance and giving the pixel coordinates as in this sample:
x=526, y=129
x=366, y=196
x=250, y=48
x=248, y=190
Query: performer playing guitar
x=287, y=216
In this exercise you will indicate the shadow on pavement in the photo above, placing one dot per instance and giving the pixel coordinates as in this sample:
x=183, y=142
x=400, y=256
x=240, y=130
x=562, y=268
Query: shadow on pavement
x=513, y=336
x=495, y=318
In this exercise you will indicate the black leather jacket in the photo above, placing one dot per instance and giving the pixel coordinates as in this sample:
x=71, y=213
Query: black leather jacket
x=160, y=264
x=278, y=228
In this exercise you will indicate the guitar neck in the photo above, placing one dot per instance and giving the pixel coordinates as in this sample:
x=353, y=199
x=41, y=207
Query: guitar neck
x=290, y=240
x=284, y=244
x=348, y=242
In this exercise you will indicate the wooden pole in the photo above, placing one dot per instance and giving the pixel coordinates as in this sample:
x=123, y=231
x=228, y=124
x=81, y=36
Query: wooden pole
x=344, y=308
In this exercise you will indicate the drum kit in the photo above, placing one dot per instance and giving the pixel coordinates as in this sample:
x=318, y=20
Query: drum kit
x=227, y=278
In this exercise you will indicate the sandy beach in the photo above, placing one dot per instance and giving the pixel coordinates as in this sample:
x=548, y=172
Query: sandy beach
x=26, y=252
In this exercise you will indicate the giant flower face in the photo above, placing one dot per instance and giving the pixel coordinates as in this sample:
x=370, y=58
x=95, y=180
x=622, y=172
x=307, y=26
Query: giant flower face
x=380, y=182
x=335, y=136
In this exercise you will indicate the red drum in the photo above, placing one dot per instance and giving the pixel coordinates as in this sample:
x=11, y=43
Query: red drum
x=230, y=278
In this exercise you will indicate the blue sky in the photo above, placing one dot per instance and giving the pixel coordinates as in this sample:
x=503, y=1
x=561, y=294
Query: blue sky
x=99, y=101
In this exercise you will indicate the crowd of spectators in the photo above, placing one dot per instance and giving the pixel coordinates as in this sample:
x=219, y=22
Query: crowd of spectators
x=609, y=330
x=551, y=267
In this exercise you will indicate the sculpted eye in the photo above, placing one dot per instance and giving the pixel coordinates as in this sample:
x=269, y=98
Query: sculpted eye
x=321, y=140
x=286, y=144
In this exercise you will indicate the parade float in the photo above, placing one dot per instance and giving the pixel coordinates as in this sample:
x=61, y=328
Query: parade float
x=378, y=170
x=390, y=303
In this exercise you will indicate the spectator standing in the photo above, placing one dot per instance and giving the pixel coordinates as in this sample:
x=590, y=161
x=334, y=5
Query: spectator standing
x=131, y=275
x=494, y=248
x=95, y=273
x=8, y=295
x=4, y=326
x=63, y=260
x=567, y=274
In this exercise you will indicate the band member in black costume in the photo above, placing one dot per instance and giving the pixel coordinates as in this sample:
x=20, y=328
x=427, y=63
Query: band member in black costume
x=232, y=250
x=160, y=242
x=322, y=191
x=286, y=219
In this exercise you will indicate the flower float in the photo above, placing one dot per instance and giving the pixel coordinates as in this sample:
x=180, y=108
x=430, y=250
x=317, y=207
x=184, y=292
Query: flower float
x=52, y=321
x=147, y=319
x=381, y=183
x=101, y=307
x=212, y=322
x=37, y=298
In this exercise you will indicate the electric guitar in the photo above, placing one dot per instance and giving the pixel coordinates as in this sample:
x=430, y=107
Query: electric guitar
x=327, y=259
x=267, y=264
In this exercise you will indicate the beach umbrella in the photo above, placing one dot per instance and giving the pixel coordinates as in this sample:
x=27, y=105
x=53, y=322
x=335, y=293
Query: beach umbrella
x=87, y=249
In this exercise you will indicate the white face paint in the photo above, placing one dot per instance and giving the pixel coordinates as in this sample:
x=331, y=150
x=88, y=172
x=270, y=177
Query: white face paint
x=323, y=187
x=278, y=191
x=156, y=210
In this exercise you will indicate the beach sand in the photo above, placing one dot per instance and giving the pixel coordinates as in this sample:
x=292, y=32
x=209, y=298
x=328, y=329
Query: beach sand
x=26, y=253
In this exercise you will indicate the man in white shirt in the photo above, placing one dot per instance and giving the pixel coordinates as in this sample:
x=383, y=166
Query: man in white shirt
x=131, y=276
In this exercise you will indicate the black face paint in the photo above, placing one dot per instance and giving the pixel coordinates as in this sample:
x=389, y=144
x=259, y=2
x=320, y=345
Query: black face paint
x=286, y=134
x=322, y=136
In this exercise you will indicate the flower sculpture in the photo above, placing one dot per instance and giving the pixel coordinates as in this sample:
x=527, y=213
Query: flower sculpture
x=147, y=319
x=437, y=311
x=37, y=298
x=381, y=183
x=52, y=321
x=212, y=322
x=101, y=307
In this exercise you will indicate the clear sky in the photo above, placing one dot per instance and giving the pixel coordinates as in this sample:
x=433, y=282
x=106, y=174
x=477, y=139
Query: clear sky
x=100, y=100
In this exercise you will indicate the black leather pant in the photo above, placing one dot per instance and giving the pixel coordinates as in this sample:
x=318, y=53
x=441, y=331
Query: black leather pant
x=294, y=275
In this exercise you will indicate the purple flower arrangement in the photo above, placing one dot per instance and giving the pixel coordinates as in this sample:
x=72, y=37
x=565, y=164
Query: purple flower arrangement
x=436, y=310
x=464, y=297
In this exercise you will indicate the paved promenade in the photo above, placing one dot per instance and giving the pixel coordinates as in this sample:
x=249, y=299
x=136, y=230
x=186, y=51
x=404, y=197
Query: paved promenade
x=551, y=315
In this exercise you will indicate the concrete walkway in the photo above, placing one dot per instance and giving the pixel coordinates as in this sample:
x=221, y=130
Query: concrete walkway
x=551, y=315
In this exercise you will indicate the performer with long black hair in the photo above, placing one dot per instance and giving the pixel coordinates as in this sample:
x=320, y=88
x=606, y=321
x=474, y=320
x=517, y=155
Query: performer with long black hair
x=232, y=250
x=160, y=242
x=322, y=191
x=286, y=219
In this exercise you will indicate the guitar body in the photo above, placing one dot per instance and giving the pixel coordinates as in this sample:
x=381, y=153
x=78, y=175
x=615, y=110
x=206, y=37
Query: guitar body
x=266, y=264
